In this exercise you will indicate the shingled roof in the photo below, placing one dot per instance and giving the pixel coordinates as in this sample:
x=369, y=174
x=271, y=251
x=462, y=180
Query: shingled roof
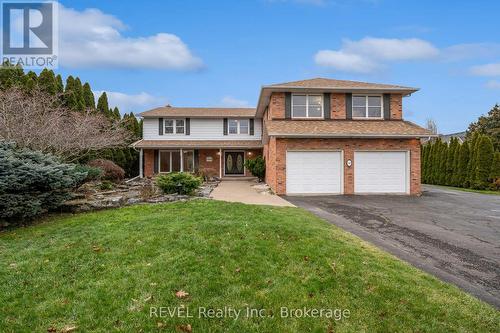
x=346, y=128
x=170, y=111
x=322, y=83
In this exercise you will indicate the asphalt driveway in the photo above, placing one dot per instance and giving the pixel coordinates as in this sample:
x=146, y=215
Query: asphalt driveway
x=453, y=235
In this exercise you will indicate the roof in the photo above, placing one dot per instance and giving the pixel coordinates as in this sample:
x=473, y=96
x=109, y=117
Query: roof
x=198, y=144
x=346, y=129
x=167, y=111
x=323, y=83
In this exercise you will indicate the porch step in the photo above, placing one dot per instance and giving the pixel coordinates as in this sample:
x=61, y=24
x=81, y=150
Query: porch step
x=238, y=178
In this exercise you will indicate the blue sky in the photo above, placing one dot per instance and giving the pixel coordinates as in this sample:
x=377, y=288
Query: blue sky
x=219, y=53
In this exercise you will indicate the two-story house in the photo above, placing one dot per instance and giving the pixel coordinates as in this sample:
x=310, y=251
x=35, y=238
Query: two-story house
x=318, y=136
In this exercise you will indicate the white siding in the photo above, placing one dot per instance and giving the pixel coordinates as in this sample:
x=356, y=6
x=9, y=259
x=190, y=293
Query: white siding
x=200, y=129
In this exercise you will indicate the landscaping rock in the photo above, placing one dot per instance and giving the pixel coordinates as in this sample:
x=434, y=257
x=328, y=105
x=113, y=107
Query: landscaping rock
x=89, y=196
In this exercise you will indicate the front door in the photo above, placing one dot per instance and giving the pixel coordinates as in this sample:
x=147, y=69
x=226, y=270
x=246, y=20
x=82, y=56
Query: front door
x=234, y=163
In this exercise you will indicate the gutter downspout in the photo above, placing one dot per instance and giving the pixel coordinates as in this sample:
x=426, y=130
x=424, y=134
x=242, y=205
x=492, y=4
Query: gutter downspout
x=140, y=164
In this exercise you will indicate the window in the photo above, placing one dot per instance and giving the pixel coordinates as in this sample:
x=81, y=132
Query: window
x=171, y=161
x=307, y=106
x=367, y=106
x=238, y=126
x=174, y=126
x=188, y=161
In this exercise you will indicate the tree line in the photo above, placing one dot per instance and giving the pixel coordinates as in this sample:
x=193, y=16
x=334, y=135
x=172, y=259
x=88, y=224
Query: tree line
x=472, y=164
x=78, y=97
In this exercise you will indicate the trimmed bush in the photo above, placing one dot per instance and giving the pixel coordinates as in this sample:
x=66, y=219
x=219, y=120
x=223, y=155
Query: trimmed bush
x=257, y=166
x=92, y=172
x=32, y=183
x=178, y=182
x=110, y=171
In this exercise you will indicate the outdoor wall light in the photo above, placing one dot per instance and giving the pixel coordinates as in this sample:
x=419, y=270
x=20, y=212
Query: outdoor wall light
x=349, y=163
x=249, y=153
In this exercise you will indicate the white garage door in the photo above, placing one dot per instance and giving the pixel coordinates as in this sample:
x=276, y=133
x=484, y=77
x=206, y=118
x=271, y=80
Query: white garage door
x=313, y=172
x=380, y=172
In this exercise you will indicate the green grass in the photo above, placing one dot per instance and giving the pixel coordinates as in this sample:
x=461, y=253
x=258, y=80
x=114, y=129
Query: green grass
x=103, y=272
x=467, y=189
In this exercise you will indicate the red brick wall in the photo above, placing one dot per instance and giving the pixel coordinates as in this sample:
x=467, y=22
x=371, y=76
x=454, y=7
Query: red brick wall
x=202, y=159
x=149, y=158
x=277, y=106
x=276, y=167
x=271, y=163
x=396, y=106
x=337, y=105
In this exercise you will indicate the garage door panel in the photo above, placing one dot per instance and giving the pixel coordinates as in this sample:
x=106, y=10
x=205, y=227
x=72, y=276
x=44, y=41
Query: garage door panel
x=313, y=172
x=380, y=172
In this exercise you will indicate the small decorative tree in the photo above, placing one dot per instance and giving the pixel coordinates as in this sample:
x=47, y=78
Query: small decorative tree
x=257, y=166
x=32, y=183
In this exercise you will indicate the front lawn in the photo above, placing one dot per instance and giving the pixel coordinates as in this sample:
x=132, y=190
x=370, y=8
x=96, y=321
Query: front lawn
x=468, y=190
x=106, y=271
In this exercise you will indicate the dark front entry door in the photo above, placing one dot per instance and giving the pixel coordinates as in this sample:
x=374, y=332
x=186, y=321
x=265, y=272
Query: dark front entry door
x=234, y=163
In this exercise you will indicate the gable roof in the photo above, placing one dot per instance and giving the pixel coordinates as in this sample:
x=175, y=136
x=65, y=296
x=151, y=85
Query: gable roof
x=170, y=111
x=323, y=83
x=346, y=129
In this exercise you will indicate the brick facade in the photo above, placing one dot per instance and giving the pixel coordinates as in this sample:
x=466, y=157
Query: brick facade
x=396, y=106
x=149, y=158
x=277, y=106
x=276, y=163
x=212, y=164
x=337, y=106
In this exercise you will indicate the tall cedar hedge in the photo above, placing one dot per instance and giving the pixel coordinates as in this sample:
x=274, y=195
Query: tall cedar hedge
x=472, y=164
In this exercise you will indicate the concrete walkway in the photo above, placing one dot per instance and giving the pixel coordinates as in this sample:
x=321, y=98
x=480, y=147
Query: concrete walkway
x=247, y=192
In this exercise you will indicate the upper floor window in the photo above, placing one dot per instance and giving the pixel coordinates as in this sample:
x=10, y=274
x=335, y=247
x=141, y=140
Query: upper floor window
x=307, y=106
x=238, y=126
x=366, y=106
x=174, y=126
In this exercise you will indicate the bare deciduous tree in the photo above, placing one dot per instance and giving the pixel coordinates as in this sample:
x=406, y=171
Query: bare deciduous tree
x=430, y=124
x=40, y=122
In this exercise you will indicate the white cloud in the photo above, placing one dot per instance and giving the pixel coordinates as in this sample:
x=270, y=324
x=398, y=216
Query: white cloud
x=486, y=70
x=391, y=49
x=229, y=101
x=132, y=103
x=471, y=51
x=91, y=38
x=493, y=84
x=369, y=54
x=344, y=61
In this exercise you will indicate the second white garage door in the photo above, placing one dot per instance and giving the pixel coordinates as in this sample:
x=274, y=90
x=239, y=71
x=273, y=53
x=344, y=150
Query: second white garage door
x=313, y=172
x=380, y=172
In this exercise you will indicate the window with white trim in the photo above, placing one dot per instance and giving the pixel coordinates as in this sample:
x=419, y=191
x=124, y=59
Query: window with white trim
x=367, y=106
x=238, y=126
x=172, y=161
x=174, y=126
x=307, y=106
